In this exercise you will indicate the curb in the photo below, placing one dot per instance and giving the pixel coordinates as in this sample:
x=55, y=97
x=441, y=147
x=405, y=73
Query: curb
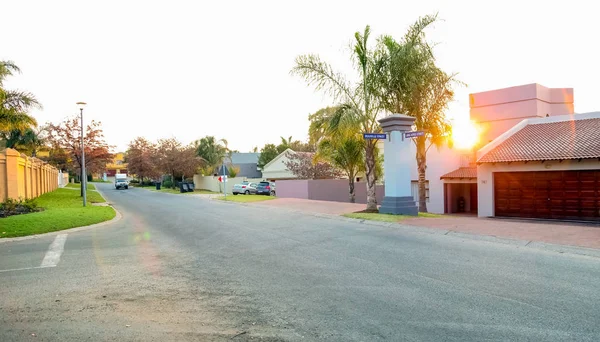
x=117, y=217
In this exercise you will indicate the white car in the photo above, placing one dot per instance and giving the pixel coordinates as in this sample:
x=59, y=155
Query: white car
x=245, y=188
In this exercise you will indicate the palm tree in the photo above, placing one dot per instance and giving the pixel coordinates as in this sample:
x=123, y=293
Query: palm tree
x=356, y=102
x=411, y=83
x=14, y=104
x=212, y=151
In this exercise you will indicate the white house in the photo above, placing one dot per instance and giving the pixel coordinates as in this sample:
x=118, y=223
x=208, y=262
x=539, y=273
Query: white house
x=276, y=169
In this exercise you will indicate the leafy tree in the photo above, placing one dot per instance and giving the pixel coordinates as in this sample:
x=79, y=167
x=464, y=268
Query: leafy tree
x=189, y=162
x=294, y=145
x=356, y=102
x=412, y=84
x=267, y=153
x=140, y=158
x=212, y=151
x=15, y=104
x=167, y=156
x=302, y=165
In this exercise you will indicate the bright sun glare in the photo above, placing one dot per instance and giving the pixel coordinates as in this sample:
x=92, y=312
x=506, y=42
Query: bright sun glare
x=465, y=135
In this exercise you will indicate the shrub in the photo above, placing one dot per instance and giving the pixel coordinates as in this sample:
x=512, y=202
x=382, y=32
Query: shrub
x=167, y=184
x=17, y=207
x=134, y=181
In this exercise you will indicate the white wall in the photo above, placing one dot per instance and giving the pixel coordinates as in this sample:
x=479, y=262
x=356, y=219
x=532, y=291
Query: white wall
x=439, y=162
x=485, y=177
x=212, y=183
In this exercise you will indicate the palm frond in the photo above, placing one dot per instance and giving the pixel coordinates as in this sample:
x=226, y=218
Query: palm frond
x=18, y=100
x=322, y=76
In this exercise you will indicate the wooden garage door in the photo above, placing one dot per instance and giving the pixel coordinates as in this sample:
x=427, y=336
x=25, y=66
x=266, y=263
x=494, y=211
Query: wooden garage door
x=548, y=194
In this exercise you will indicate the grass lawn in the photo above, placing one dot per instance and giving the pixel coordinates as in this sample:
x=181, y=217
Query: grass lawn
x=63, y=210
x=78, y=186
x=386, y=217
x=246, y=198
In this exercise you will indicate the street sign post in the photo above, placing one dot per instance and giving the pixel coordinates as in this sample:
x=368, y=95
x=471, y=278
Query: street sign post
x=414, y=134
x=374, y=135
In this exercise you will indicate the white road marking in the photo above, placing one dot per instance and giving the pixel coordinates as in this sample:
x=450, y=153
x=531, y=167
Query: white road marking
x=21, y=269
x=54, y=252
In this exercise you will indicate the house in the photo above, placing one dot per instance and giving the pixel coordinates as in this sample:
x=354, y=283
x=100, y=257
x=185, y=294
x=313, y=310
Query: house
x=546, y=168
x=117, y=165
x=276, y=169
x=246, y=162
x=494, y=113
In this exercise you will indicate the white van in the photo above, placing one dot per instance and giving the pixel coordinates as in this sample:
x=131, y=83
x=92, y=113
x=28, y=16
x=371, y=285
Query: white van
x=121, y=181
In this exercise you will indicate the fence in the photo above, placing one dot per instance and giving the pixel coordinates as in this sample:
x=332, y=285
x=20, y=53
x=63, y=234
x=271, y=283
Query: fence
x=25, y=177
x=212, y=183
x=336, y=190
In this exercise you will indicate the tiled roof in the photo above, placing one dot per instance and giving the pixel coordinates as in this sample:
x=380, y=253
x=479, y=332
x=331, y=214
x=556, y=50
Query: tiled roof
x=461, y=172
x=572, y=139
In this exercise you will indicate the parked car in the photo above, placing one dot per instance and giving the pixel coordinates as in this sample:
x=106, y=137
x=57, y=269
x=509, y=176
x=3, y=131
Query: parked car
x=245, y=188
x=265, y=188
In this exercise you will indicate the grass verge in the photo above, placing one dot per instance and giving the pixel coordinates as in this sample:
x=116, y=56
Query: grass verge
x=245, y=198
x=63, y=210
x=386, y=217
x=78, y=186
x=176, y=191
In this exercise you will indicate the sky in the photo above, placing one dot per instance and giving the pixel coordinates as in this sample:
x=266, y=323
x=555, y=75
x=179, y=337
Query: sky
x=188, y=69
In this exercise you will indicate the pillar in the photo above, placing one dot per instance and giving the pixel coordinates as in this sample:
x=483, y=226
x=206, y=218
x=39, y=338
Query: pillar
x=397, y=163
x=12, y=177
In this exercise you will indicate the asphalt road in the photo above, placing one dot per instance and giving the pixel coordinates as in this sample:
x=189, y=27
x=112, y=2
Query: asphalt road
x=178, y=268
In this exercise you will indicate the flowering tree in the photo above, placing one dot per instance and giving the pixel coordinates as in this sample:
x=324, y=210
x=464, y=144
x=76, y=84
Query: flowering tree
x=302, y=166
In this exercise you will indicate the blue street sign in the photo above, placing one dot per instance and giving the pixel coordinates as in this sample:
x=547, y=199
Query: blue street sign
x=374, y=135
x=414, y=134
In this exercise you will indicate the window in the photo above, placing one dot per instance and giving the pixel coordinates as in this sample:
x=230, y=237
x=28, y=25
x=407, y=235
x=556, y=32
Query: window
x=414, y=190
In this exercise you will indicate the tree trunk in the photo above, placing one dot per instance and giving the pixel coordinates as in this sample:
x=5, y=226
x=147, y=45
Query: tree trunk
x=351, y=186
x=421, y=167
x=370, y=168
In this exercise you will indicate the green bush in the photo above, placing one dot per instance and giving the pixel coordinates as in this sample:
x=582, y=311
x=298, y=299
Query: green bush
x=17, y=207
x=167, y=184
x=134, y=181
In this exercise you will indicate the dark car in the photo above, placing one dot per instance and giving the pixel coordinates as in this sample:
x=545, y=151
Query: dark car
x=265, y=188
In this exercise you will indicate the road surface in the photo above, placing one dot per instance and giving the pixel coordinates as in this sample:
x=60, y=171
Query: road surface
x=180, y=267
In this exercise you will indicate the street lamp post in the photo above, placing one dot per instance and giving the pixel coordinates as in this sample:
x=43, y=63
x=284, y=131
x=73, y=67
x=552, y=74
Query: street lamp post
x=81, y=105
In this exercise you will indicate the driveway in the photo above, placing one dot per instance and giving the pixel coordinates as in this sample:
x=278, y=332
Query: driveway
x=181, y=268
x=562, y=233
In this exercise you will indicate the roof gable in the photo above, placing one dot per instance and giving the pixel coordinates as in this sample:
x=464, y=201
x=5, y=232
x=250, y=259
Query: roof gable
x=279, y=156
x=554, y=138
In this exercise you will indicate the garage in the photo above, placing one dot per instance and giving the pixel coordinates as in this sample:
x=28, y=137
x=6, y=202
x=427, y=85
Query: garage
x=543, y=168
x=562, y=195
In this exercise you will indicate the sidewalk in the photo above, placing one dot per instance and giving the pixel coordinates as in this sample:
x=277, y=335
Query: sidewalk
x=561, y=233
x=321, y=207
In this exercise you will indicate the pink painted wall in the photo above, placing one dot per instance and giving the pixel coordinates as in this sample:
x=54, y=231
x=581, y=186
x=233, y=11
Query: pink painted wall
x=497, y=111
x=291, y=188
x=335, y=190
